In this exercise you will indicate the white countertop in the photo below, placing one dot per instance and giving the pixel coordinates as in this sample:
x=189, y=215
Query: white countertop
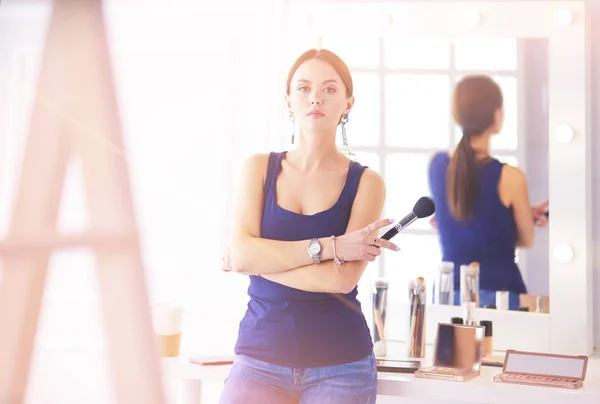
x=481, y=389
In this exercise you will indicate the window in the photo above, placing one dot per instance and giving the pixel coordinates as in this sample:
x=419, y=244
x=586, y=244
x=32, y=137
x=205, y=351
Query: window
x=365, y=114
x=416, y=110
x=402, y=116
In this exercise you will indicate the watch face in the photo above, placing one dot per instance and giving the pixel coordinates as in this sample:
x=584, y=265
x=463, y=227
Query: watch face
x=314, y=248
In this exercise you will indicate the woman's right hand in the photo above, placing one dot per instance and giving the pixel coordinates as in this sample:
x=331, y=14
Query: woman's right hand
x=539, y=214
x=361, y=245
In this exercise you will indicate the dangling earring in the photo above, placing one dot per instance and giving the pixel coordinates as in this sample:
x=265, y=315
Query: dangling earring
x=293, y=125
x=344, y=120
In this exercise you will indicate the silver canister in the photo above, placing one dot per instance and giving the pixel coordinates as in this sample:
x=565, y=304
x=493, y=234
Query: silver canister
x=417, y=301
x=444, y=284
x=502, y=300
x=469, y=283
x=541, y=304
x=379, y=294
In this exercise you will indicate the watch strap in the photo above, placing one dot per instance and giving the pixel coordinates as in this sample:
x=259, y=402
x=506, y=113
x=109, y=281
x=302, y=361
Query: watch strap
x=315, y=257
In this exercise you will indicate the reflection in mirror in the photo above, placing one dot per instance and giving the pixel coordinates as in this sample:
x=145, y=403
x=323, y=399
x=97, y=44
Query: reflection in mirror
x=402, y=117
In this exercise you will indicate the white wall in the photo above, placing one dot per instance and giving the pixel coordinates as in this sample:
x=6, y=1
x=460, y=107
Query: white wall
x=195, y=92
x=594, y=6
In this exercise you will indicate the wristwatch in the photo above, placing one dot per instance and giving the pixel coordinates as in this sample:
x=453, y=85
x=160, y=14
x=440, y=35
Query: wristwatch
x=314, y=250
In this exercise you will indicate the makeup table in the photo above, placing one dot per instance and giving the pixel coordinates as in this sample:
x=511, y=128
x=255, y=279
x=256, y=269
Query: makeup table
x=405, y=388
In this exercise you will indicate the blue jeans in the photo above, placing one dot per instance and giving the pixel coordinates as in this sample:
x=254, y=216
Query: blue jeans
x=251, y=381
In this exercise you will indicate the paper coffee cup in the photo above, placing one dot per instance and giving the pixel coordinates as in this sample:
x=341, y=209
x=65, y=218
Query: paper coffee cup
x=167, y=319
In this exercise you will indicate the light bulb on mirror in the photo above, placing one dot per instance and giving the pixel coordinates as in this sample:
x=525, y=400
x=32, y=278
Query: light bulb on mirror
x=472, y=19
x=563, y=16
x=563, y=253
x=391, y=20
x=564, y=133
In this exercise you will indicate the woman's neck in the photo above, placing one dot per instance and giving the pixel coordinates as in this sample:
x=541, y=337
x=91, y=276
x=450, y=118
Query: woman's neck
x=316, y=151
x=481, y=145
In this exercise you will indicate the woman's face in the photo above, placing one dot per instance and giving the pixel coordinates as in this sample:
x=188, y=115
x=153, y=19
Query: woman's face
x=318, y=96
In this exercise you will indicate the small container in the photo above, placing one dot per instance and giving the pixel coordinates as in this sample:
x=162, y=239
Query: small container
x=417, y=301
x=469, y=313
x=444, y=284
x=167, y=321
x=380, y=297
x=502, y=300
x=541, y=304
x=488, y=340
x=456, y=320
x=469, y=283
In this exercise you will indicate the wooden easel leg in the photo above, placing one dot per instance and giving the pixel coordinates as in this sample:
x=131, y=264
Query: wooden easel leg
x=35, y=211
x=23, y=278
x=76, y=98
x=99, y=142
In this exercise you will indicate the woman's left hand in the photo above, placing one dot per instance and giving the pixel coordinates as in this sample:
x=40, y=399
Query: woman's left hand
x=539, y=214
x=433, y=222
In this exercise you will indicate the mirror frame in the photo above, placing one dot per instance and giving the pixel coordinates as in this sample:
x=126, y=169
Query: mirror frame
x=568, y=329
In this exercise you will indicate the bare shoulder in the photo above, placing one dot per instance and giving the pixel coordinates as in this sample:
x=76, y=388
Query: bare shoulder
x=371, y=183
x=372, y=177
x=512, y=184
x=512, y=176
x=255, y=165
x=258, y=160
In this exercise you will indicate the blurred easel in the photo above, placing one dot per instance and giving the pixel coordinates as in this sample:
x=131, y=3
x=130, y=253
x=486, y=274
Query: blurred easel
x=76, y=114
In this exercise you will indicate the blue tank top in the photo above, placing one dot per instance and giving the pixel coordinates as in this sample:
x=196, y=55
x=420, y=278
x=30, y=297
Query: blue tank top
x=294, y=328
x=489, y=237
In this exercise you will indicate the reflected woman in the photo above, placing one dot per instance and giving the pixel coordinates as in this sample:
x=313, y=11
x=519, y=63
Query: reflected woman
x=482, y=205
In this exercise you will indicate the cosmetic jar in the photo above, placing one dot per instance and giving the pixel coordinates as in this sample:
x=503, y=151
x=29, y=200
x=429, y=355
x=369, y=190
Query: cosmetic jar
x=488, y=345
x=456, y=320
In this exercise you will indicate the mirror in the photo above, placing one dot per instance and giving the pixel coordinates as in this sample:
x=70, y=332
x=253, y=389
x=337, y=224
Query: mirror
x=567, y=328
x=402, y=118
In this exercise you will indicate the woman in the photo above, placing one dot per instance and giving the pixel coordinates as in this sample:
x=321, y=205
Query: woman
x=482, y=206
x=306, y=227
